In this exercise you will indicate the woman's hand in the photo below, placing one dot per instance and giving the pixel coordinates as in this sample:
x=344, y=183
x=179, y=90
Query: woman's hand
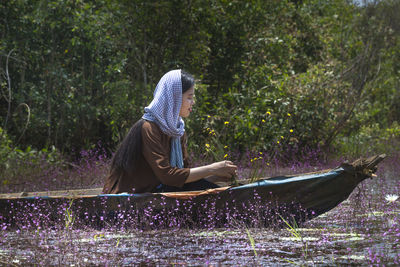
x=224, y=169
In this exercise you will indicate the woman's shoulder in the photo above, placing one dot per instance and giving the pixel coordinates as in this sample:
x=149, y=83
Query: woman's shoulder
x=151, y=128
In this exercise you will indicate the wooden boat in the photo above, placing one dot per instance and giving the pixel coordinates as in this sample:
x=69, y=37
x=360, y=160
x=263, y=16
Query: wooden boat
x=264, y=202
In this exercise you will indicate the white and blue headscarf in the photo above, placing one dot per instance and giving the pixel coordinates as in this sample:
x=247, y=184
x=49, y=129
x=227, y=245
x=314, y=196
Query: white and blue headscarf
x=164, y=110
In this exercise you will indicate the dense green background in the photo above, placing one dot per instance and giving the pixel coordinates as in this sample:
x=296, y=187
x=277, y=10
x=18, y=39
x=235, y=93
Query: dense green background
x=274, y=76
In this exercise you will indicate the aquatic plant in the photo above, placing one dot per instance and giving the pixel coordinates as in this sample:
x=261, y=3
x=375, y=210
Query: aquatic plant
x=293, y=230
x=69, y=216
x=252, y=243
x=391, y=198
x=365, y=229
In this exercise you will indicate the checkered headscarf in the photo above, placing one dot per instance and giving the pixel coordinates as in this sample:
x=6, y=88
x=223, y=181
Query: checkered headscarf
x=164, y=110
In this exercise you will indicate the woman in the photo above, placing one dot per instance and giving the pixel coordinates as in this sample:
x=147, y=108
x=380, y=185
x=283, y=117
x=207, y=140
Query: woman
x=153, y=156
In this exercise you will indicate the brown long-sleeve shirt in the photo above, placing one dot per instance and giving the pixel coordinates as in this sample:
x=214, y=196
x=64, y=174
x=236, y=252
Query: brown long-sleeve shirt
x=154, y=165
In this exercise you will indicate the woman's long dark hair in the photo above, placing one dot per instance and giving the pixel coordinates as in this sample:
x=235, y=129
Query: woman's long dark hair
x=129, y=151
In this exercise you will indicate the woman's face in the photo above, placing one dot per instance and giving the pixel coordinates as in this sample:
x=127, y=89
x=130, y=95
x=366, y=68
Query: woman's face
x=187, y=103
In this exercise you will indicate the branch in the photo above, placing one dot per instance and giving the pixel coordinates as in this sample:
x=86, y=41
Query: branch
x=27, y=120
x=14, y=58
x=360, y=69
x=9, y=91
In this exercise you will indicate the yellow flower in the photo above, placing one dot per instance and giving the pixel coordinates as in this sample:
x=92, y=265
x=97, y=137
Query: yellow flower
x=225, y=146
x=207, y=146
x=291, y=130
x=262, y=120
x=226, y=155
x=268, y=113
x=208, y=116
x=289, y=114
x=260, y=153
x=226, y=123
x=282, y=137
x=277, y=142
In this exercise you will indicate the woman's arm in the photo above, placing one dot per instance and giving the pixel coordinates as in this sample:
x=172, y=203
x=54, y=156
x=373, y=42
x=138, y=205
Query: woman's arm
x=225, y=169
x=156, y=152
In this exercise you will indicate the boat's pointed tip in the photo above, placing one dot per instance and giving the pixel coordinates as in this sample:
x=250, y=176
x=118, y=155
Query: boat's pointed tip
x=375, y=160
x=366, y=166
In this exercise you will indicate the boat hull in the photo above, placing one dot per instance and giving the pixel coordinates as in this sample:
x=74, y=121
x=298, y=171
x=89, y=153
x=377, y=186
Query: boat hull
x=262, y=203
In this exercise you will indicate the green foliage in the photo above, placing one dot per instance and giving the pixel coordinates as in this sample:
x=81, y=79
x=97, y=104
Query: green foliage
x=370, y=139
x=16, y=162
x=285, y=74
x=9, y=153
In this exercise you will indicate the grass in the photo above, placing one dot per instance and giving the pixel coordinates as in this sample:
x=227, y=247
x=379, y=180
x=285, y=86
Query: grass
x=69, y=216
x=252, y=243
x=293, y=229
